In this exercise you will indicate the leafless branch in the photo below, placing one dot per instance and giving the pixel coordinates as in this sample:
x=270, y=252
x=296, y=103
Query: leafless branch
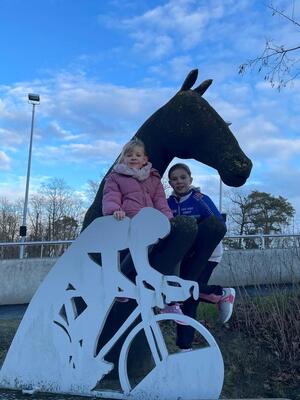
x=283, y=15
x=276, y=60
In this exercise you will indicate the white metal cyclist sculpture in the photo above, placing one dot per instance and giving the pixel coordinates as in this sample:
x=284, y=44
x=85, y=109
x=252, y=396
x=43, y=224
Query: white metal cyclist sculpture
x=55, y=347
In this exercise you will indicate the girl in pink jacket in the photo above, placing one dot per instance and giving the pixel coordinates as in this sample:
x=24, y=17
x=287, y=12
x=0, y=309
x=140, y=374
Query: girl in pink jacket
x=133, y=184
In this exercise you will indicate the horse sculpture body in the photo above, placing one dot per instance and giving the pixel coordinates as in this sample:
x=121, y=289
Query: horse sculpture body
x=188, y=127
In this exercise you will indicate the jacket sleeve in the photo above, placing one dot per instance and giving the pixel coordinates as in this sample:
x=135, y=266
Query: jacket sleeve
x=160, y=201
x=112, y=196
x=211, y=206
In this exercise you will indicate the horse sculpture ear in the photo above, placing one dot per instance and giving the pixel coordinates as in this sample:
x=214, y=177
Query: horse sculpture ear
x=203, y=86
x=190, y=80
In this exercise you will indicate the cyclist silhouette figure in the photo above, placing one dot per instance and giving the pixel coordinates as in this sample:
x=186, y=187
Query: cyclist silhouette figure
x=60, y=329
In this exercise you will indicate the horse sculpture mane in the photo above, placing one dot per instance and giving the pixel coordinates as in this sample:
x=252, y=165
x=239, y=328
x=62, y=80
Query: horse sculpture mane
x=188, y=127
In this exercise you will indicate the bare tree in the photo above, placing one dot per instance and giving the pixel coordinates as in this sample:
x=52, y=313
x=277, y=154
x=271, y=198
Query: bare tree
x=167, y=187
x=240, y=212
x=279, y=62
x=238, y=215
x=36, y=215
x=55, y=213
x=10, y=214
x=92, y=188
x=9, y=220
x=59, y=202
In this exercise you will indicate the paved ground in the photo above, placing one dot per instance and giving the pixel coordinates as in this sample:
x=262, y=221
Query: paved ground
x=14, y=395
x=17, y=395
x=12, y=311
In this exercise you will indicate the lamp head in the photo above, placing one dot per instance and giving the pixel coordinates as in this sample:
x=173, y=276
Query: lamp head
x=34, y=98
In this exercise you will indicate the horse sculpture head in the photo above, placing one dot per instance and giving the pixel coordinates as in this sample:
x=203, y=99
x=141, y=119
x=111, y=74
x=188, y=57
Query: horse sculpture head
x=188, y=127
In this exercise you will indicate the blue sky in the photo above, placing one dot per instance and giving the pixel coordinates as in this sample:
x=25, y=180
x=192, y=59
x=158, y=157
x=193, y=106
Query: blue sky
x=103, y=67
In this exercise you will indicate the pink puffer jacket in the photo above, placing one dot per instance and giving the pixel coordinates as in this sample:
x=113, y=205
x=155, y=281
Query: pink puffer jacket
x=124, y=192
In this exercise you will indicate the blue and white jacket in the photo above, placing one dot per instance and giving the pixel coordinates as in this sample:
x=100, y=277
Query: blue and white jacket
x=194, y=204
x=198, y=205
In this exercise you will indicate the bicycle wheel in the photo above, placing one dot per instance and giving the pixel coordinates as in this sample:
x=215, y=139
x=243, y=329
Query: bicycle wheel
x=210, y=379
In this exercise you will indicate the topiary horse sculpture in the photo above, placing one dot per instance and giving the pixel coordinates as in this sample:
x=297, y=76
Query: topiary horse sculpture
x=188, y=127
x=76, y=336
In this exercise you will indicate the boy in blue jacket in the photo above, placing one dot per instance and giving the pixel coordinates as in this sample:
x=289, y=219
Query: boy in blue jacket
x=189, y=201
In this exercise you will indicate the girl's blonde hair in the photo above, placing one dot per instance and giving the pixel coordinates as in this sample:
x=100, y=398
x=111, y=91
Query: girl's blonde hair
x=130, y=146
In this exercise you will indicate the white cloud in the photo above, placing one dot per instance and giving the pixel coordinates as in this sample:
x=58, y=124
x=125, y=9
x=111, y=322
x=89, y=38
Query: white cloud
x=98, y=151
x=64, y=134
x=90, y=104
x=279, y=149
x=9, y=137
x=13, y=186
x=229, y=111
x=176, y=68
x=82, y=106
x=5, y=161
x=177, y=23
x=156, y=46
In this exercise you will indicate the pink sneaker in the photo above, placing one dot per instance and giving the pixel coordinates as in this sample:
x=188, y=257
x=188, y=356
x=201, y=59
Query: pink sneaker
x=212, y=298
x=173, y=309
x=184, y=350
x=225, y=304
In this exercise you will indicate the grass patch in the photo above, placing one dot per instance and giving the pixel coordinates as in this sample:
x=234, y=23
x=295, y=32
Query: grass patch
x=8, y=329
x=260, y=346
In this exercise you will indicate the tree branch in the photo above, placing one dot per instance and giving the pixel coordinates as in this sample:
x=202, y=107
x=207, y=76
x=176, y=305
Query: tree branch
x=280, y=68
x=283, y=15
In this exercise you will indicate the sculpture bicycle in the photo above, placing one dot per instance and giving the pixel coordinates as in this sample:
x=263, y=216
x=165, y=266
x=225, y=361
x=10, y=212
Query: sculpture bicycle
x=55, y=347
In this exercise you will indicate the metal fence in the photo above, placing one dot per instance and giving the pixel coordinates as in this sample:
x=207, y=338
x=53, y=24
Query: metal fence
x=261, y=241
x=39, y=249
x=56, y=248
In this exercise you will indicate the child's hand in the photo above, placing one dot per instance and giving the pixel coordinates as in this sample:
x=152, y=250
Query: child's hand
x=119, y=215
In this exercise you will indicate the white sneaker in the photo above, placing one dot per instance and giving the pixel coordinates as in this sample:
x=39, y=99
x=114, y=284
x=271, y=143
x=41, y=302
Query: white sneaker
x=225, y=304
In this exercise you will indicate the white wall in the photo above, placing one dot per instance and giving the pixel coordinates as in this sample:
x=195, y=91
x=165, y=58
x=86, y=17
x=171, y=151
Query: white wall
x=19, y=279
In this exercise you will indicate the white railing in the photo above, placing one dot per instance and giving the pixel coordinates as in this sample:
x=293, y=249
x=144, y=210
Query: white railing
x=55, y=248
x=42, y=248
x=261, y=241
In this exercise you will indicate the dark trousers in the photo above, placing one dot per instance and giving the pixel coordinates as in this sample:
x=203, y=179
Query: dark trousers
x=185, y=333
x=195, y=266
x=209, y=234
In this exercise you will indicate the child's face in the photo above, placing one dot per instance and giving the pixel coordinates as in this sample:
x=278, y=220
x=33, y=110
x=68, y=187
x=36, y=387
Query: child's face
x=135, y=158
x=180, y=181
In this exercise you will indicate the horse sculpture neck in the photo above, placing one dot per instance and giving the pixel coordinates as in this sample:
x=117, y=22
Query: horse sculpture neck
x=156, y=139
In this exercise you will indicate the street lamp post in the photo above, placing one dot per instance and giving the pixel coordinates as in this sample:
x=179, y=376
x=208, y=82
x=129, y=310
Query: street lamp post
x=33, y=99
x=220, y=195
